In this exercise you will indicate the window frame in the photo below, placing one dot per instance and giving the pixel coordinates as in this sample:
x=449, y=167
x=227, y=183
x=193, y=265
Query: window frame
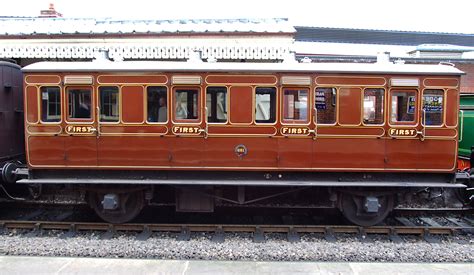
x=254, y=105
x=99, y=104
x=336, y=112
x=422, y=105
x=199, y=118
x=41, y=105
x=79, y=120
x=415, y=121
x=384, y=106
x=227, y=105
x=285, y=121
x=167, y=104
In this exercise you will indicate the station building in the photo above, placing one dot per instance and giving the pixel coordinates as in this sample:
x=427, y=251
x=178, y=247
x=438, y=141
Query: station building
x=359, y=45
x=50, y=36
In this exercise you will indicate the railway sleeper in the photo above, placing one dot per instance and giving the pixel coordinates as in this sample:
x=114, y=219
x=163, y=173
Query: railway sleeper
x=430, y=238
x=394, y=237
x=184, y=235
x=219, y=235
x=109, y=234
x=72, y=232
x=36, y=231
x=145, y=234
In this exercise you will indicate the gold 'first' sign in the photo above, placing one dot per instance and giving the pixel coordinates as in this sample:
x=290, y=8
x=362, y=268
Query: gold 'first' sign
x=78, y=129
x=286, y=131
x=194, y=130
x=402, y=132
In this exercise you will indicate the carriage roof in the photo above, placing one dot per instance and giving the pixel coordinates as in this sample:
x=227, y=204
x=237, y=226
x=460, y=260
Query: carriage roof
x=175, y=66
x=9, y=64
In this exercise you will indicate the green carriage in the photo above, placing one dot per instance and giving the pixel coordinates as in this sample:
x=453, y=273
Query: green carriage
x=466, y=125
x=466, y=142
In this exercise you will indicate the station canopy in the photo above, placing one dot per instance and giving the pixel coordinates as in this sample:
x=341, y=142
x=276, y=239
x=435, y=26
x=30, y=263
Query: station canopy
x=81, y=38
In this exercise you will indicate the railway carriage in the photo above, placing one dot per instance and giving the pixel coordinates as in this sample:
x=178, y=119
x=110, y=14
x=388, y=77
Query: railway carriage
x=128, y=132
x=11, y=120
x=466, y=134
x=466, y=144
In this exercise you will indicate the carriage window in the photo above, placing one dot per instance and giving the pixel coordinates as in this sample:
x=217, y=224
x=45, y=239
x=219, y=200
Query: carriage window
x=433, y=107
x=295, y=105
x=109, y=110
x=79, y=103
x=403, y=106
x=265, y=105
x=373, y=106
x=325, y=104
x=186, y=104
x=157, y=101
x=50, y=104
x=216, y=103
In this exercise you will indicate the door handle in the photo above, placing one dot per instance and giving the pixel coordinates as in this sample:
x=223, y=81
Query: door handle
x=422, y=133
x=97, y=130
x=314, y=131
x=203, y=131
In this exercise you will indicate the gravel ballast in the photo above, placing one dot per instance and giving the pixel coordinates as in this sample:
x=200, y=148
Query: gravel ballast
x=312, y=247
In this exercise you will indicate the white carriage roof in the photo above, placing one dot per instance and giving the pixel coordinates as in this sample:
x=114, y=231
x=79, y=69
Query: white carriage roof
x=90, y=26
x=172, y=66
x=9, y=64
x=443, y=48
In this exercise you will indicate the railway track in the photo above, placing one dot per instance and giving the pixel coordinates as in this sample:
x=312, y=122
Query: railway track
x=330, y=232
x=429, y=224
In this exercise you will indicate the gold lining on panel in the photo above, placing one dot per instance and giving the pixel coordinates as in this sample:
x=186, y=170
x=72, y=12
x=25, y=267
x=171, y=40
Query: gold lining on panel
x=137, y=83
x=239, y=75
x=443, y=86
x=350, y=77
x=43, y=83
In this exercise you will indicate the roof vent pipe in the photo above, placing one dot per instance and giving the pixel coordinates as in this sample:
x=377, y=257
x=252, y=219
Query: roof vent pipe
x=211, y=59
x=447, y=63
x=399, y=61
x=383, y=57
x=101, y=55
x=290, y=58
x=195, y=56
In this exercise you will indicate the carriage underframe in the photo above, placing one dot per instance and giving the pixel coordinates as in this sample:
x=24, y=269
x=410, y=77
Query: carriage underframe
x=363, y=198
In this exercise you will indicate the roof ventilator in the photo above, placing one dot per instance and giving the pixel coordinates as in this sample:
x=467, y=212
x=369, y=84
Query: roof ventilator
x=211, y=59
x=447, y=63
x=290, y=58
x=383, y=58
x=101, y=55
x=306, y=60
x=195, y=56
x=399, y=61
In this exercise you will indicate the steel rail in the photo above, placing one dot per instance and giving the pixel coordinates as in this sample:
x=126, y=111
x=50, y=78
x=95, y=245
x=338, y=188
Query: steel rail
x=264, y=228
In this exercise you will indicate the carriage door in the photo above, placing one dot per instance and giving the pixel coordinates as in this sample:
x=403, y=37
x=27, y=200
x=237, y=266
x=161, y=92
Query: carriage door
x=81, y=125
x=439, y=144
x=295, y=149
x=404, y=131
x=188, y=125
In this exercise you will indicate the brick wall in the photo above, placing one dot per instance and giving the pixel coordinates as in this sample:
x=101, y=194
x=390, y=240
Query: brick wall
x=467, y=80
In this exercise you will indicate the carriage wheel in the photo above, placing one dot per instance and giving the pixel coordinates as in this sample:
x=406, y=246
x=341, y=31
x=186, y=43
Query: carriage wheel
x=465, y=195
x=354, y=208
x=7, y=172
x=129, y=206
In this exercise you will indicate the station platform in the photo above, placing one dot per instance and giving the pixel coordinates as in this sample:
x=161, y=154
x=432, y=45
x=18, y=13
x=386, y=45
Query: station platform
x=65, y=265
